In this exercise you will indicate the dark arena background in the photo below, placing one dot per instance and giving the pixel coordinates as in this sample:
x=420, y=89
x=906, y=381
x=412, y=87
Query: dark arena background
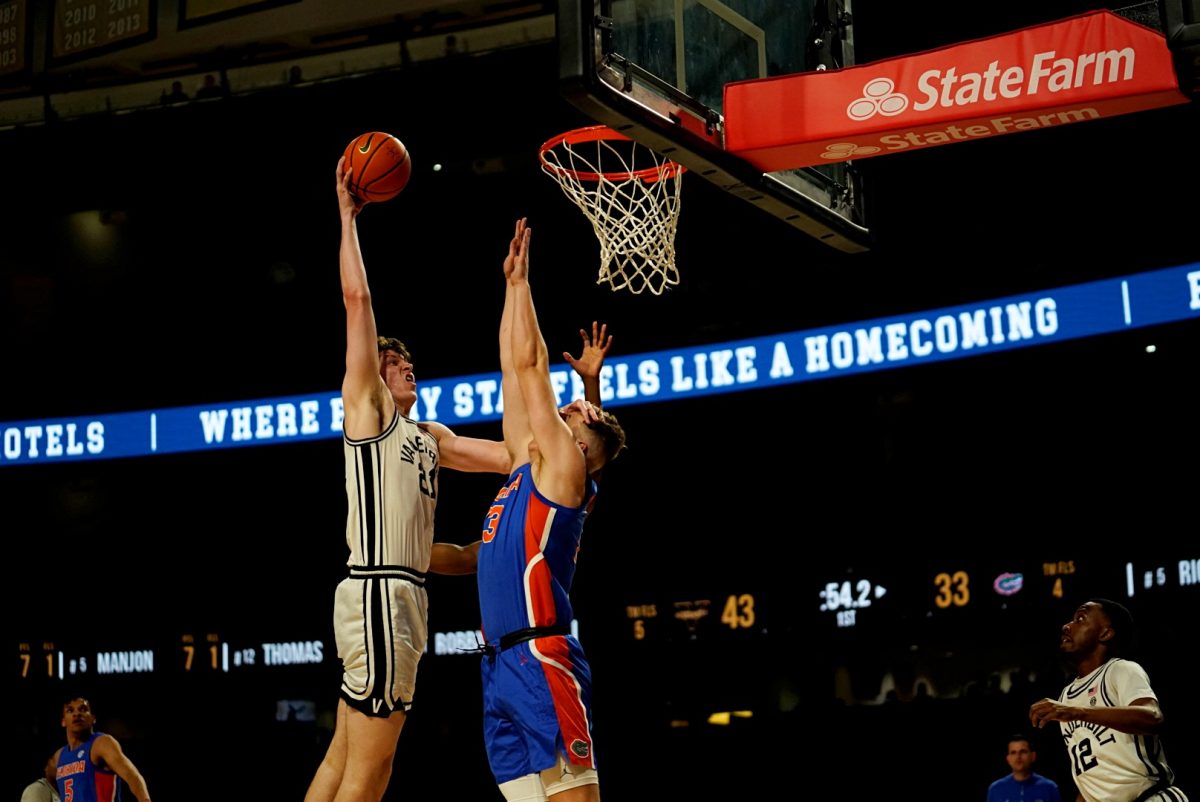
x=841, y=588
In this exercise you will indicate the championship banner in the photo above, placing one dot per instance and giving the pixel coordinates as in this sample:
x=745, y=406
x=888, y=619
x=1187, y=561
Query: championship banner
x=1087, y=67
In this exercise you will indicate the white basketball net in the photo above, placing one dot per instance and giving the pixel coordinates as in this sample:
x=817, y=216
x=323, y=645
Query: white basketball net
x=630, y=194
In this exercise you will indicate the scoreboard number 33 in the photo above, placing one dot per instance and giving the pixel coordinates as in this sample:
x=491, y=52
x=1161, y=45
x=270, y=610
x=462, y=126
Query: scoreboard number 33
x=953, y=589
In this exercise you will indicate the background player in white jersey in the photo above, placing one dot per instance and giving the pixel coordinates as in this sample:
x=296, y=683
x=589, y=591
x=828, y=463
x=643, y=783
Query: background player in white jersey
x=1108, y=714
x=391, y=487
x=45, y=788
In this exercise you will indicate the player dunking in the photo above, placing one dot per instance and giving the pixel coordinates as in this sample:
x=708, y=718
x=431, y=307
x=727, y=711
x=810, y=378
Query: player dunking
x=391, y=488
x=1108, y=714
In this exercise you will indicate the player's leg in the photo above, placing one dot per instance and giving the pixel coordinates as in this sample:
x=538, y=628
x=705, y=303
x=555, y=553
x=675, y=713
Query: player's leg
x=503, y=740
x=567, y=702
x=568, y=782
x=565, y=782
x=325, y=782
x=523, y=789
x=348, y=628
x=379, y=667
x=537, y=722
x=370, y=750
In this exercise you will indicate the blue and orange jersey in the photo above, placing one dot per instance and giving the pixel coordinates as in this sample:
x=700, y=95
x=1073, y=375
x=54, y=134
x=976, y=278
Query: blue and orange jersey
x=81, y=780
x=527, y=558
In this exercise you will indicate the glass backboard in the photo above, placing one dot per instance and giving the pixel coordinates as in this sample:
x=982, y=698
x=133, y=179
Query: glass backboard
x=655, y=70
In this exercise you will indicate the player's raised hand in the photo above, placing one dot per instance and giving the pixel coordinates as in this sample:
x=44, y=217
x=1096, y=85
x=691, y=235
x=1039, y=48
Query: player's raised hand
x=595, y=348
x=583, y=407
x=516, y=263
x=348, y=204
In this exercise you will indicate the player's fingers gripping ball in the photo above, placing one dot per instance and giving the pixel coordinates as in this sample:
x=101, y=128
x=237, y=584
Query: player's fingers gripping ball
x=379, y=166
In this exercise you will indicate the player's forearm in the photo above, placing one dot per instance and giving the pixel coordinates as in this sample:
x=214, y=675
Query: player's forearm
x=591, y=389
x=506, y=331
x=1131, y=719
x=529, y=349
x=137, y=784
x=353, y=271
x=454, y=560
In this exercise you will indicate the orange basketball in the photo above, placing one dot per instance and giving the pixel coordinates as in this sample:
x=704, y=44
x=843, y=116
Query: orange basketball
x=378, y=165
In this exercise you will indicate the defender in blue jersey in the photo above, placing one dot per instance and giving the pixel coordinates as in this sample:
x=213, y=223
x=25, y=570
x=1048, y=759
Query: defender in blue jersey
x=536, y=680
x=88, y=767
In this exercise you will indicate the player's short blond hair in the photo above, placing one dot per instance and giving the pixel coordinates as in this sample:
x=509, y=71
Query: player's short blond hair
x=610, y=431
x=392, y=344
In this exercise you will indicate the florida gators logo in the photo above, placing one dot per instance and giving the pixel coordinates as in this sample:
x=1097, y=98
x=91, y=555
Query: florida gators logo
x=580, y=748
x=1008, y=584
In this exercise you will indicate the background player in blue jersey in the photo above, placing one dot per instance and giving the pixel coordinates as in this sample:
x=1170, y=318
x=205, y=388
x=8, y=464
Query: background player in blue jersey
x=1023, y=785
x=536, y=680
x=87, y=768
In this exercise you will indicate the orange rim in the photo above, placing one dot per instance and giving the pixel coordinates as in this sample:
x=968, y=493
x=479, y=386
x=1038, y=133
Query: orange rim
x=598, y=133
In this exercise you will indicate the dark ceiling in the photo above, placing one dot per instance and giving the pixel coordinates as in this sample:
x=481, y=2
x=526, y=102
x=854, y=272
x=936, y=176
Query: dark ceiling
x=220, y=282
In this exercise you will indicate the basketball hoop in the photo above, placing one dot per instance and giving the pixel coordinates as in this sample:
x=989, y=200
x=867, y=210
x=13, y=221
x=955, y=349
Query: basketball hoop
x=630, y=194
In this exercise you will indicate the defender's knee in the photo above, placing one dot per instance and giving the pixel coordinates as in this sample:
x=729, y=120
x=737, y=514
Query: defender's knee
x=524, y=789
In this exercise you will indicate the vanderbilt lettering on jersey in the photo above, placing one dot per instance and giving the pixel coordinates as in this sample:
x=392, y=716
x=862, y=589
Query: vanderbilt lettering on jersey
x=1112, y=765
x=412, y=450
x=391, y=489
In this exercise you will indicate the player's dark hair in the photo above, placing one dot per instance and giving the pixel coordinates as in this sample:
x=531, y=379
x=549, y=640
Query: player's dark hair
x=1019, y=736
x=1120, y=620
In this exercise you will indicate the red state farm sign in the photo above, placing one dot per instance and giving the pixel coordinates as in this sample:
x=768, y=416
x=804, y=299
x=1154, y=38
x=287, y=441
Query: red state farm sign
x=1083, y=68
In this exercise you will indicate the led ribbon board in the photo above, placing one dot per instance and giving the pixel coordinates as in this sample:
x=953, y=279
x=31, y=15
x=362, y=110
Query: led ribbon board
x=1019, y=321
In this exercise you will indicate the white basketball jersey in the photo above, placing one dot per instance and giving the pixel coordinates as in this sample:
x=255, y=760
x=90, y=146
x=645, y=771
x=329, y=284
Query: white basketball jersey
x=1111, y=766
x=391, y=488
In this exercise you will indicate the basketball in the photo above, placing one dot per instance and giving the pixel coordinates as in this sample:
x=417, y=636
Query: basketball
x=378, y=165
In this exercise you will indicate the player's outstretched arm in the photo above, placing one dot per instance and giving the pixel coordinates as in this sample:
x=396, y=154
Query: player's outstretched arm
x=468, y=453
x=366, y=401
x=107, y=750
x=561, y=472
x=591, y=359
x=515, y=422
x=454, y=560
x=1141, y=717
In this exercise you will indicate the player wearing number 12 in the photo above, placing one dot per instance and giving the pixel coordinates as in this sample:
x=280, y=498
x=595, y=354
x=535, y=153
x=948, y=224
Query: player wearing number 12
x=1108, y=715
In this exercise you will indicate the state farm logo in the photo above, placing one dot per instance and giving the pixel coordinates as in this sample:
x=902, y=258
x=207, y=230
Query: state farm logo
x=954, y=87
x=879, y=97
x=847, y=150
